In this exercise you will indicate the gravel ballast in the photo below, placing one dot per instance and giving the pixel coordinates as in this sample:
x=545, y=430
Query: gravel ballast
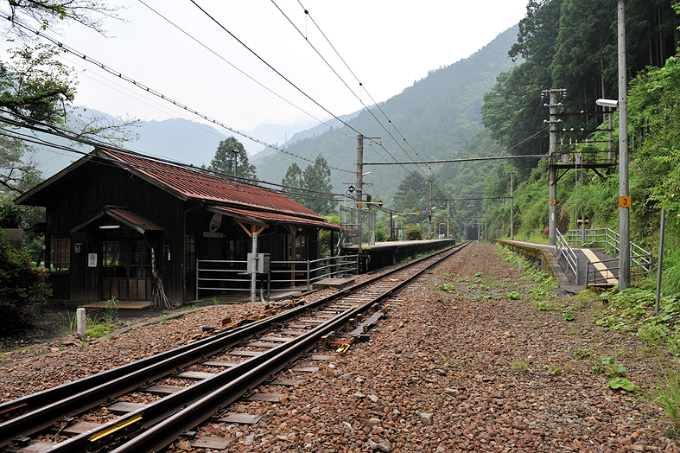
x=467, y=369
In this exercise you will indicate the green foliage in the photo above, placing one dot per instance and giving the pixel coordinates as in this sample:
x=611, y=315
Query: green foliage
x=231, y=152
x=380, y=235
x=558, y=369
x=666, y=394
x=311, y=187
x=413, y=233
x=22, y=289
x=513, y=295
x=520, y=365
x=619, y=383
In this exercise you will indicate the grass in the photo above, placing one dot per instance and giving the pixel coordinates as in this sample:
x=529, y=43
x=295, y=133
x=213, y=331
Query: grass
x=666, y=394
x=520, y=365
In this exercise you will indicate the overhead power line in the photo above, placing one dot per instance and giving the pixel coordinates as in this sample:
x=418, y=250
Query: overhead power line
x=244, y=73
x=51, y=129
x=150, y=90
x=467, y=159
x=266, y=63
x=370, y=112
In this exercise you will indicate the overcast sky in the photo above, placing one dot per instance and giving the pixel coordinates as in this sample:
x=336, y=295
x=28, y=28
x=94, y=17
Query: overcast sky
x=388, y=44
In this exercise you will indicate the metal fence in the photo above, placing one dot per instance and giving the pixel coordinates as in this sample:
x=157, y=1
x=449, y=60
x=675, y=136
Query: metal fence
x=565, y=250
x=230, y=275
x=608, y=240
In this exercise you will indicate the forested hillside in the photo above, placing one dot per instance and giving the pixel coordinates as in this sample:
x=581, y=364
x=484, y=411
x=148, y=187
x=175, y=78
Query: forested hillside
x=437, y=116
x=572, y=45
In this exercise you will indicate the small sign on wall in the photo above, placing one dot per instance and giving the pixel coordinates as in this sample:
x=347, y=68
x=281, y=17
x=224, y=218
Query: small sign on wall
x=91, y=260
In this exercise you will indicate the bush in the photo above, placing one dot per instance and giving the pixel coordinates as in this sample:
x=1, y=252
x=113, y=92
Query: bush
x=22, y=289
x=413, y=233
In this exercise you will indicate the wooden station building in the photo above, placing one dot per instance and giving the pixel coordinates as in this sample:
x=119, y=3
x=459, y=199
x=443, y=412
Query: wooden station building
x=119, y=223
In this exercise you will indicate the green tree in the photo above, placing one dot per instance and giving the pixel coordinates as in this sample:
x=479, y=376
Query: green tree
x=317, y=181
x=311, y=187
x=293, y=182
x=229, y=152
x=22, y=288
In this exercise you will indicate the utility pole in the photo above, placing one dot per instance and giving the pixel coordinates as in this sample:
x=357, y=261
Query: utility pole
x=512, y=204
x=486, y=236
x=360, y=182
x=448, y=219
x=552, y=151
x=624, y=197
x=235, y=151
x=429, y=228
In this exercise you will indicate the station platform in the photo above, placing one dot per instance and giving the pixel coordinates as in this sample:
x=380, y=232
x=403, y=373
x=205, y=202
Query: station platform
x=382, y=254
x=560, y=270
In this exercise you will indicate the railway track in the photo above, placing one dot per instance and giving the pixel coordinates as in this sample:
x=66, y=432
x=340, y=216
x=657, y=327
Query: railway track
x=188, y=385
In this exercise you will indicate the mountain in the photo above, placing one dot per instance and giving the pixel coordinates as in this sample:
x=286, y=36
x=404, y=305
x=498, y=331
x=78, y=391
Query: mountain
x=437, y=115
x=175, y=139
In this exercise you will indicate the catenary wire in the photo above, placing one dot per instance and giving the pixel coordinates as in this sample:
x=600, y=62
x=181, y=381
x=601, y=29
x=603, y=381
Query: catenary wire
x=124, y=77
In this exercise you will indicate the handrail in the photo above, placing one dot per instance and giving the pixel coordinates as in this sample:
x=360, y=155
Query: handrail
x=564, y=249
x=609, y=241
x=230, y=275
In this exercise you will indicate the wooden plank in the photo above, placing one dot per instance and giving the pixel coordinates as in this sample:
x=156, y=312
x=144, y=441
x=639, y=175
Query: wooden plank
x=263, y=396
x=121, y=408
x=199, y=375
x=213, y=443
x=163, y=389
x=240, y=418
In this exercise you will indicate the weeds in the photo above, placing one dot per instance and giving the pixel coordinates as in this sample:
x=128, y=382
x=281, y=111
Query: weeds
x=520, y=365
x=558, y=369
x=67, y=324
x=666, y=394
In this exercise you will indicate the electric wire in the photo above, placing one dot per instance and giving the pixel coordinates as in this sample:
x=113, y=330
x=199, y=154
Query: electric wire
x=339, y=76
x=146, y=88
x=266, y=63
x=65, y=133
x=209, y=49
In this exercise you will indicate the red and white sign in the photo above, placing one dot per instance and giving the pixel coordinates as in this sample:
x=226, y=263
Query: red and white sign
x=91, y=260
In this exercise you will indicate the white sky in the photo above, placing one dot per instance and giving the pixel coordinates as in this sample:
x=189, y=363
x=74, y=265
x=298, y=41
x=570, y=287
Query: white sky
x=388, y=44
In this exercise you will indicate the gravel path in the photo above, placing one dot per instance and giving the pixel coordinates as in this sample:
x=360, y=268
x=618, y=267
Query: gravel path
x=465, y=370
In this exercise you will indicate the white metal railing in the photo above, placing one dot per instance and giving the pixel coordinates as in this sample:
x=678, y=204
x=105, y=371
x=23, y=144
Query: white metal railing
x=608, y=240
x=565, y=250
x=230, y=275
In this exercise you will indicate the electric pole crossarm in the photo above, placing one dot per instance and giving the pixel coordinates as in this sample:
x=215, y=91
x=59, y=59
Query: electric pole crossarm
x=467, y=159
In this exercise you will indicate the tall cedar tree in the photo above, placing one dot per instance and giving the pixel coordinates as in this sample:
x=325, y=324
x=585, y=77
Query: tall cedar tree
x=223, y=162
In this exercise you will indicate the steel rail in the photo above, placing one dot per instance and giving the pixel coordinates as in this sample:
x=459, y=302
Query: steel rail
x=90, y=392
x=164, y=433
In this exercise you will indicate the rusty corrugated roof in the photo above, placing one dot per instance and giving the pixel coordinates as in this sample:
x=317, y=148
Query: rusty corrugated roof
x=124, y=215
x=269, y=217
x=189, y=182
